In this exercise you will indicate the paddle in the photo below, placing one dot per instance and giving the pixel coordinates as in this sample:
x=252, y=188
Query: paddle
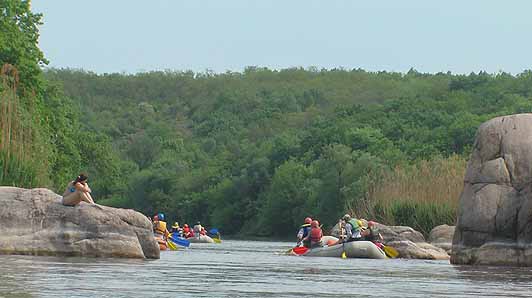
x=342, y=233
x=215, y=235
x=390, y=252
x=171, y=244
x=180, y=241
x=299, y=250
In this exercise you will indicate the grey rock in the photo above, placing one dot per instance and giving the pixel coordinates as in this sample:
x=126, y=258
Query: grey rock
x=34, y=222
x=494, y=225
x=442, y=236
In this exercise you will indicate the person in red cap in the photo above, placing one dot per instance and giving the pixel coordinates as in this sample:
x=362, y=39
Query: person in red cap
x=303, y=232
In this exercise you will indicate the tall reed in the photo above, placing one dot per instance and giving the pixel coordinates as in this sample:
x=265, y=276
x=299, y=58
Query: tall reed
x=422, y=195
x=17, y=166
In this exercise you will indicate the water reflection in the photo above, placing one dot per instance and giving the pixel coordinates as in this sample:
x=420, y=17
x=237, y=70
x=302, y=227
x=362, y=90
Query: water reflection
x=253, y=269
x=495, y=274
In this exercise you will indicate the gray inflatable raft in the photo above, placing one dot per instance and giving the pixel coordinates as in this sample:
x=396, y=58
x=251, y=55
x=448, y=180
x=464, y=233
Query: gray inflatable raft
x=201, y=239
x=354, y=249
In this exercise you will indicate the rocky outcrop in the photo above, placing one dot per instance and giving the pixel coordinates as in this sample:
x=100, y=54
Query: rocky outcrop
x=408, y=242
x=34, y=222
x=494, y=224
x=442, y=237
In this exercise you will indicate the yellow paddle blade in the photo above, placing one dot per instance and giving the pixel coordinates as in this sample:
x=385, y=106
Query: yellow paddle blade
x=216, y=240
x=344, y=256
x=391, y=252
x=171, y=245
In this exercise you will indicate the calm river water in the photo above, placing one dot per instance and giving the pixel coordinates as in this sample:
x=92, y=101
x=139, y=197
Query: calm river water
x=253, y=269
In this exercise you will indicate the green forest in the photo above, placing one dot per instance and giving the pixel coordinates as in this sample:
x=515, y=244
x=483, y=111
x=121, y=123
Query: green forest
x=249, y=152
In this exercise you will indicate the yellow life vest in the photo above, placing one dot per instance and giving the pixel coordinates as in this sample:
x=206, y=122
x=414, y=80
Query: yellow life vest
x=160, y=227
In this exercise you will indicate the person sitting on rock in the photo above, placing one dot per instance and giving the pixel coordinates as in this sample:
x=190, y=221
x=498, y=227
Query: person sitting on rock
x=303, y=232
x=371, y=234
x=315, y=234
x=77, y=190
x=352, y=228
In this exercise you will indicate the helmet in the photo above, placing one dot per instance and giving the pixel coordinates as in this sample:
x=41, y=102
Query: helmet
x=161, y=216
x=360, y=223
x=371, y=223
x=308, y=220
x=346, y=217
x=176, y=225
x=198, y=223
x=315, y=224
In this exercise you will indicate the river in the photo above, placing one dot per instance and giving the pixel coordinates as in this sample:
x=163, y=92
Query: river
x=253, y=269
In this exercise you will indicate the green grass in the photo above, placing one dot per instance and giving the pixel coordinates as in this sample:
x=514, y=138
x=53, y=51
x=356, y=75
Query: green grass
x=421, y=195
x=421, y=217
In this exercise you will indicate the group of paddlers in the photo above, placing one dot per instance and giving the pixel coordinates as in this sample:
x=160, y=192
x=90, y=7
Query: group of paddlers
x=160, y=230
x=351, y=229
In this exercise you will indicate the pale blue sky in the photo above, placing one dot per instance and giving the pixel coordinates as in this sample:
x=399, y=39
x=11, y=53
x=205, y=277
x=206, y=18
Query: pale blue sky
x=431, y=36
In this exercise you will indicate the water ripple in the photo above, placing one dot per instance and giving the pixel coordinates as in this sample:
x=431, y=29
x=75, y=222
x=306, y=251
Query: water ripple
x=253, y=269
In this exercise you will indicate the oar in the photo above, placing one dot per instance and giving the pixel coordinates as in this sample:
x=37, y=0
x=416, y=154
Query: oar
x=390, y=252
x=342, y=233
x=217, y=239
x=299, y=250
x=180, y=241
x=171, y=244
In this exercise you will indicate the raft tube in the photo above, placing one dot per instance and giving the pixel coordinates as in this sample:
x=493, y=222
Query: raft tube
x=201, y=239
x=354, y=249
x=162, y=243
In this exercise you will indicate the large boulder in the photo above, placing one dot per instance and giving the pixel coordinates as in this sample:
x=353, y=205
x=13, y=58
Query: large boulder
x=34, y=222
x=494, y=224
x=442, y=236
x=408, y=242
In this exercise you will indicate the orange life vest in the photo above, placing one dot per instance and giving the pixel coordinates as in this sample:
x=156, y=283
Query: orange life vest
x=315, y=235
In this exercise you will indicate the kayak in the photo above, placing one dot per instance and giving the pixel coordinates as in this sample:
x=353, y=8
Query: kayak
x=354, y=249
x=201, y=239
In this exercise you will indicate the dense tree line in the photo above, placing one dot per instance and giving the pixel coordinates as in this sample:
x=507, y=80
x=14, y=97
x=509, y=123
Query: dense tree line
x=42, y=142
x=255, y=152
x=250, y=152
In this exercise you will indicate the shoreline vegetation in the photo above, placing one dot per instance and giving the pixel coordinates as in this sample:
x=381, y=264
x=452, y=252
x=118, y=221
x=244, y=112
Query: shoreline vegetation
x=252, y=152
x=421, y=195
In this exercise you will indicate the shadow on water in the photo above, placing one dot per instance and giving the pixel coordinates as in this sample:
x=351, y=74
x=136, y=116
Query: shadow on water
x=513, y=275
